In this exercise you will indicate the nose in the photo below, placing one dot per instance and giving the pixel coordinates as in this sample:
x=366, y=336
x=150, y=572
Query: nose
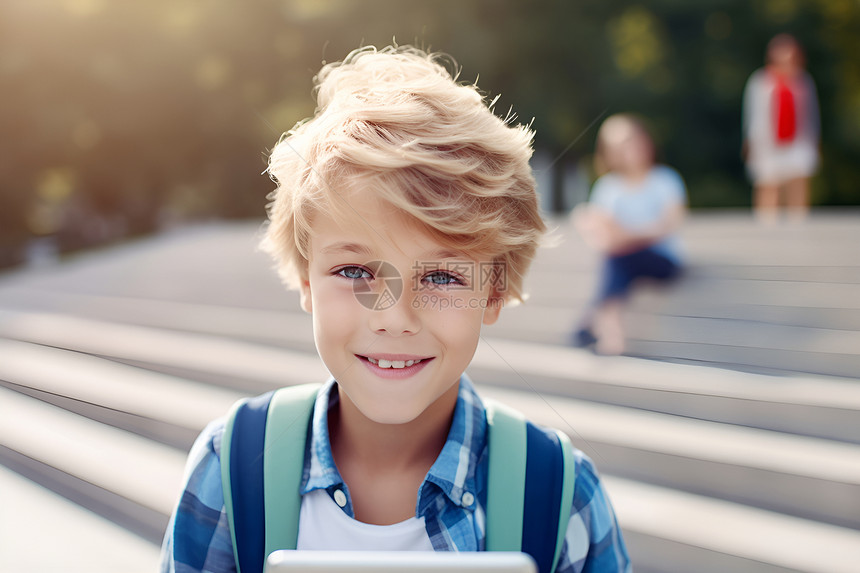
x=394, y=316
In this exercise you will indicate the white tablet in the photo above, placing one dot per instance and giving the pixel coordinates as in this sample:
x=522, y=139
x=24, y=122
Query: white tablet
x=399, y=562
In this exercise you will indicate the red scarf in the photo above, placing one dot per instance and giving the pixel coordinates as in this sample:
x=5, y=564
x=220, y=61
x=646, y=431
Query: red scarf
x=785, y=112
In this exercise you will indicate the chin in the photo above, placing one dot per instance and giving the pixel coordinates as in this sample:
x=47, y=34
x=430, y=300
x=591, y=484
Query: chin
x=392, y=416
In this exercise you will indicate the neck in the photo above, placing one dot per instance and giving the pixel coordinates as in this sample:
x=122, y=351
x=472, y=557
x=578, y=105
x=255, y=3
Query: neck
x=416, y=443
x=636, y=175
x=783, y=72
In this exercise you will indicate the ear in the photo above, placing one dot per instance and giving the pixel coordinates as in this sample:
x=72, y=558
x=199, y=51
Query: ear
x=305, y=296
x=495, y=302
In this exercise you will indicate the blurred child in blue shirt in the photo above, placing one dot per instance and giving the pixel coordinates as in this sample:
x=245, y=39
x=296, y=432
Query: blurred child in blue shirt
x=632, y=218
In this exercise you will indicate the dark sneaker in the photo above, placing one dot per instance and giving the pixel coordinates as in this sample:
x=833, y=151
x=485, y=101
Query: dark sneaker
x=583, y=338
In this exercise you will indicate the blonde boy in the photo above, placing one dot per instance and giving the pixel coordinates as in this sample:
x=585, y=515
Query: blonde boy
x=406, y=216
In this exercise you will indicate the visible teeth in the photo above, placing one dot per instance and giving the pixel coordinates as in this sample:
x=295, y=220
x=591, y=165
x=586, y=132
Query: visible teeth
x=382, y=363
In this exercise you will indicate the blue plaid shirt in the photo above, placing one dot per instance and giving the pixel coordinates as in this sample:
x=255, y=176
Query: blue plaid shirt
x=198, y=537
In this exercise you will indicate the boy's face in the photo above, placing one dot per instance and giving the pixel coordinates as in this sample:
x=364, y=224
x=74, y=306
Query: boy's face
x=396, y=315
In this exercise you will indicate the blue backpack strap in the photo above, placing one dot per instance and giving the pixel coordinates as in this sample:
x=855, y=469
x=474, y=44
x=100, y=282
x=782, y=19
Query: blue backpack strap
x=264, y=437
x=549, y=495
x=242, y=480
x=530, y=487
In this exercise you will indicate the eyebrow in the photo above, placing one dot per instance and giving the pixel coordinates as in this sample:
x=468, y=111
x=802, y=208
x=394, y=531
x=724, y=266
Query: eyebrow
x=442, y=254
x=345, y=247
x=359, y=249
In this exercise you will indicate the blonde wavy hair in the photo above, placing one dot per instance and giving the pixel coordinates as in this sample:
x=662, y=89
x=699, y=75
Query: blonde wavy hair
x=428, y=145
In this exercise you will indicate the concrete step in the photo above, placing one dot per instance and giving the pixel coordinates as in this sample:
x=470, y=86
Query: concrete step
x=818, y=406
x=807, y=477
x=826, y=239
x=782, y=301
x=797, y=475
x=121, y=474
x=708, y=321
x=824, y=341
x=121, y=466
x=713, y=536
x=746, y=358
x=807, y=405
x=802, y=328
x=164, y=408
x=792, y=341
x=289, y=327
x=701, y=286
x=41, y=531
x=214, y=263
x=226, y=361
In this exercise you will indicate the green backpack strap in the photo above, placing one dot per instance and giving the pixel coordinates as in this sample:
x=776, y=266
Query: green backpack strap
x=283, y=463
x=530, y=483
x=506, y=481
x=262, y=460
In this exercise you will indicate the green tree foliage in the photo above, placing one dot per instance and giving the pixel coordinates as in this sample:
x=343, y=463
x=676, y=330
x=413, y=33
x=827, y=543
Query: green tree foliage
x=119, y=115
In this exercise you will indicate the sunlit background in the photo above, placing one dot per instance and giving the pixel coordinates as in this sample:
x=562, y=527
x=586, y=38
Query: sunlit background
x=134, y=306
x=120, y=117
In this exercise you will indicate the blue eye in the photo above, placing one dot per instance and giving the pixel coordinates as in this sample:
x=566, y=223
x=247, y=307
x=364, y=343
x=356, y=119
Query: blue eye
x=442, y=278
x=354, y=273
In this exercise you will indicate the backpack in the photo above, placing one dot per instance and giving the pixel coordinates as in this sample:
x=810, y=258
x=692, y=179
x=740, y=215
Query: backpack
x=530, y=479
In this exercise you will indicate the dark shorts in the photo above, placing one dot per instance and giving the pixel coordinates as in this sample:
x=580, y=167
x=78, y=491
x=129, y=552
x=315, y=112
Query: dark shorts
x=619, y=273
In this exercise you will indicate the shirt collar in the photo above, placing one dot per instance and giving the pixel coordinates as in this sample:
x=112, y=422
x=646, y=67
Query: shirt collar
x=455, y=470
x=320, y=471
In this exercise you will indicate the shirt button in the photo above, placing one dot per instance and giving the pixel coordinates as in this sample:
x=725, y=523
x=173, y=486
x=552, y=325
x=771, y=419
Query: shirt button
x=467, y=500
x=340, y=497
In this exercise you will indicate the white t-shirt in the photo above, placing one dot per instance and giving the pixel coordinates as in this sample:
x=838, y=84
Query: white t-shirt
x=323, y=525
x=638, y=206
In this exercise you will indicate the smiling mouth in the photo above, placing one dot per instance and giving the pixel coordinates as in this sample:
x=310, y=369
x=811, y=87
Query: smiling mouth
x=394, y=364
